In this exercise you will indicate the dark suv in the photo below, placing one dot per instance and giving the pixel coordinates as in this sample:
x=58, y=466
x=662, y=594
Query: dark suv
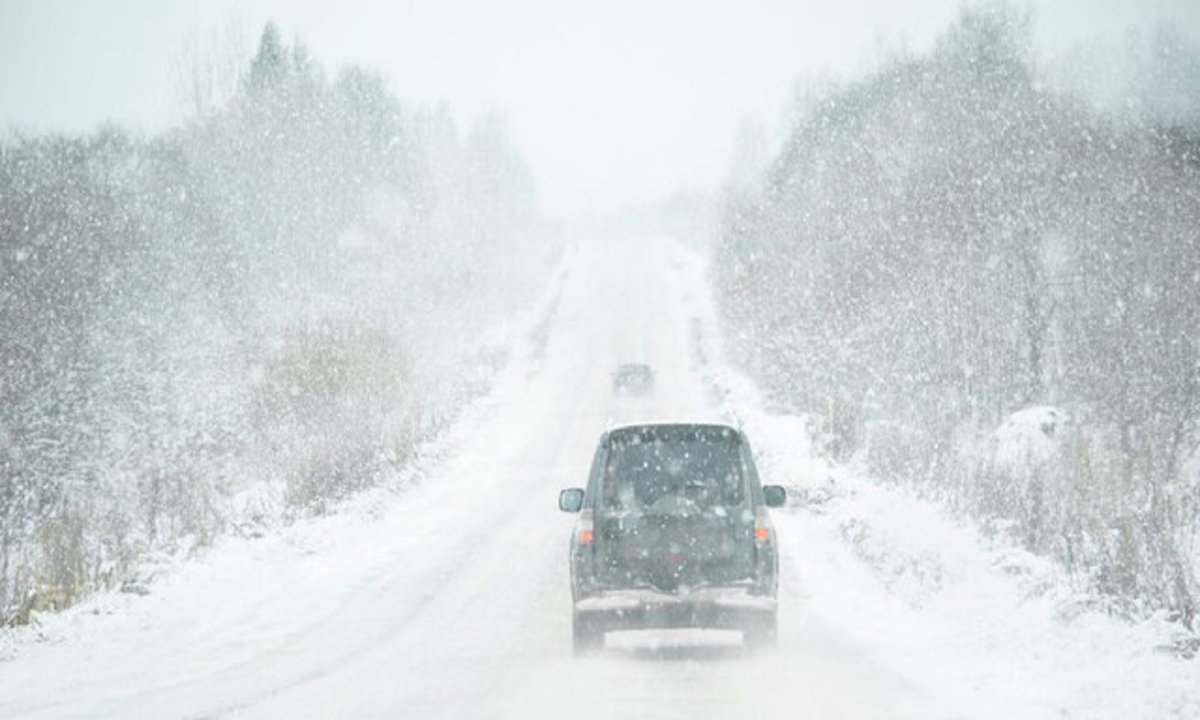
x=633, y=379
x=673, y=532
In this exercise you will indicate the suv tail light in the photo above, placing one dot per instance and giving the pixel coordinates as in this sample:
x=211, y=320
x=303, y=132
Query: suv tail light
x=585, y=533
x=762, y=526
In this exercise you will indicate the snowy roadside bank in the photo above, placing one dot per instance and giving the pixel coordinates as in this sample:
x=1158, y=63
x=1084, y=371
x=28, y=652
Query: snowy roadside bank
x=231, y=559
x=982, y=624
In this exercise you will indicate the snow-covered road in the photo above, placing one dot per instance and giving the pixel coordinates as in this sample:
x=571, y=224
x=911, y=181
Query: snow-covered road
x=449, y=598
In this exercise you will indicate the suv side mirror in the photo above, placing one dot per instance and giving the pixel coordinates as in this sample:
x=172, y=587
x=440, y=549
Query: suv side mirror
x=774, y=495
x=571, y=500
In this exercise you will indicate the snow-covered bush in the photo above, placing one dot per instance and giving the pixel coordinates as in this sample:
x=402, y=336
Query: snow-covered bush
x=332, y=410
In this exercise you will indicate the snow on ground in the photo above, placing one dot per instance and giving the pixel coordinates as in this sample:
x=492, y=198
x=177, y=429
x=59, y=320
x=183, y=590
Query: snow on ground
x=989, y=625
x=236, y=564
x=445, y=594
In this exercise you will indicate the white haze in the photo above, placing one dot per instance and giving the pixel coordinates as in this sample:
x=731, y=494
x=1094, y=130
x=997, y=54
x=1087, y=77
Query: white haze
x=307, y=311
x=612, y=102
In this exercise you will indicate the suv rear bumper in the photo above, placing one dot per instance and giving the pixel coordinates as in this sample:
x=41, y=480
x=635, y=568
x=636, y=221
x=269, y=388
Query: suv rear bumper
x=717, y=608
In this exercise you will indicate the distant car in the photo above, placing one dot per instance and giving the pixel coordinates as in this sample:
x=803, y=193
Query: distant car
x=633, y=379
x=673, y=532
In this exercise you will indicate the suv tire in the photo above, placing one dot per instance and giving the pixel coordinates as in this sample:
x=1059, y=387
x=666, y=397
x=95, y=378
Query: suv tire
x=588, y=634
x=761, y=633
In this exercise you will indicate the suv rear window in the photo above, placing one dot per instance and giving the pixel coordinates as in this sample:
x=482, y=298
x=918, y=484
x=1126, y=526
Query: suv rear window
x=673, y=468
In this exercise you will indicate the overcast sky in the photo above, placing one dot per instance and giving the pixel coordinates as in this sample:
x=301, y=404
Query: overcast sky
x=612, y=100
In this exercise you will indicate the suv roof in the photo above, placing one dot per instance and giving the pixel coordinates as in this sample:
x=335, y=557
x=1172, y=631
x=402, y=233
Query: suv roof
x=666, y=429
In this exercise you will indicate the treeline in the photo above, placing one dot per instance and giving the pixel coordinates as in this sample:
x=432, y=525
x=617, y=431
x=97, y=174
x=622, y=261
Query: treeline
x=241, y=319
x=945, y=243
